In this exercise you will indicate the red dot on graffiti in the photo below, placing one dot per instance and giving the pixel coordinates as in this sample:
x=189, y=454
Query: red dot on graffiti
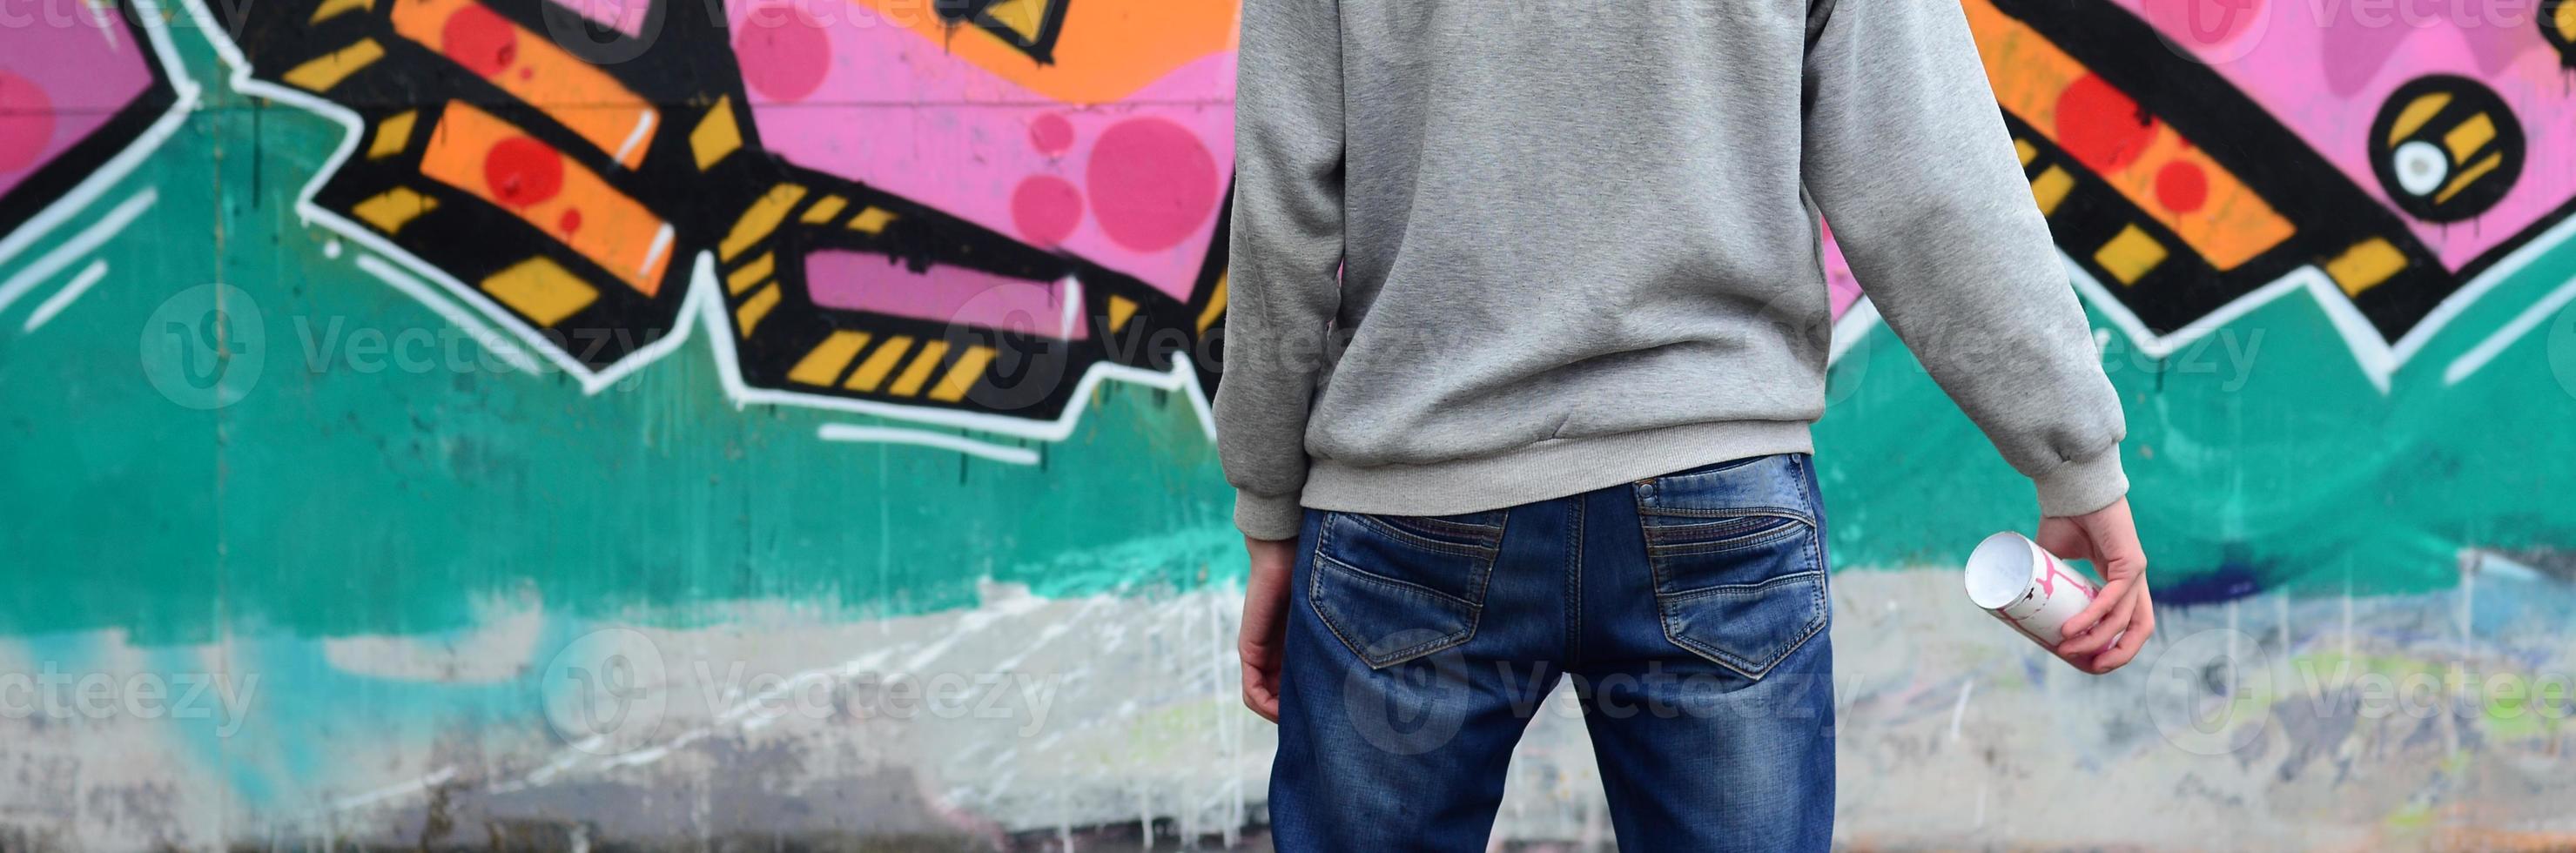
x=569, y=222
x=481, y=40
x=1152, y=183
x=522, y=172
x=2182, y=186
x=1046, y=208
x=26, y=122
x=2101, y=126
x=1051, y=135
x=784, y=53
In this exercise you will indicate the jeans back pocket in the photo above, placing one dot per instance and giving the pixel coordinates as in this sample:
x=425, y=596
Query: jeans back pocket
x=1396, y=588
x=1738, y=560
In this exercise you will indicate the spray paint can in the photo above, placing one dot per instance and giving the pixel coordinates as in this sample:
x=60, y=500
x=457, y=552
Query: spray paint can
x=2026, y=587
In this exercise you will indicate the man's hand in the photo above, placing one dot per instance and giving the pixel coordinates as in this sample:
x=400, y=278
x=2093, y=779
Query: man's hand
x=1265, y=622
x=2123, y=612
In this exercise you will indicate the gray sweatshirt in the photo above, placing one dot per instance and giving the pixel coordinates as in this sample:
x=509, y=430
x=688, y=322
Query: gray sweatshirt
x=1489, y=252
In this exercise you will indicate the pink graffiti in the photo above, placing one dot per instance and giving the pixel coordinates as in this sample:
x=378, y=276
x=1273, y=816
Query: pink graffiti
x=1134, y=185
x=859, y=281
x=26, y=122
x=784, y=54
x=1840, y=286
x=60, y=84
x=2326, y=79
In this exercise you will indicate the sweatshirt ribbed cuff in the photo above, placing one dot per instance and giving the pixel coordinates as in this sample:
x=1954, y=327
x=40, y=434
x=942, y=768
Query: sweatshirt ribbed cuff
x=2080, y=486
x=1268, y=516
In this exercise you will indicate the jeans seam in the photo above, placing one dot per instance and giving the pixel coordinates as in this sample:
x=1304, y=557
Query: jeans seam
x=1654, y=565
x=1798, y=468
x=1315, y=594
x=1744, y=542
x=1735, y=589
x=1729, y=512
x=1485, y=575
x=1417, y=540
x=1748, y=523
x=1574, y=584
x=1363, y=574
x=1444, y=525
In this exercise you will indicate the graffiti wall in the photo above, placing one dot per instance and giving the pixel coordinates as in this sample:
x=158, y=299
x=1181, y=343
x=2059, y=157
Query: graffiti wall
x=543, y=424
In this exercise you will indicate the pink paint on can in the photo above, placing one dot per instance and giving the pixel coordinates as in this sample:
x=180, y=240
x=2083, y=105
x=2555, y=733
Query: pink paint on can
x=2026, y=586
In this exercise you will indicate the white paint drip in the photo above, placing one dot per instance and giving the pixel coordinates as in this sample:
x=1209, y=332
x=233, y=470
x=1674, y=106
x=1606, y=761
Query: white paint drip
x=2347, y=619
x=2281, y=616
x=434, y=779
x=1959, y=709
x=1052, y=632
x=753, y=713
x=974, y=622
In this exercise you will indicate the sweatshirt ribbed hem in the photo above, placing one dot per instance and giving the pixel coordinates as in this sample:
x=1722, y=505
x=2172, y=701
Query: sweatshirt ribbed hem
x=1549, y=469
x=2080, y=486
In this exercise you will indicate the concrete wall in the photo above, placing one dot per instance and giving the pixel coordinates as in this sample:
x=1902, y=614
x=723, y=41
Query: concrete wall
x=431, y=424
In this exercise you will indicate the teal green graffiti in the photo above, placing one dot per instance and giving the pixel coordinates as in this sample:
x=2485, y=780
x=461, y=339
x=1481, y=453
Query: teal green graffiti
x=334, y=498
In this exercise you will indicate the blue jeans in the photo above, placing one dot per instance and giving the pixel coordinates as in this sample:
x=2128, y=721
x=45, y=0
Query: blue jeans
x=1689, y=611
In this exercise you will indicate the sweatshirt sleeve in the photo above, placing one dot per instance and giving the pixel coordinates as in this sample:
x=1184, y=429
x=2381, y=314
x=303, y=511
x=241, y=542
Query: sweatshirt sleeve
x=1283, y=278
x=1907, y=157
